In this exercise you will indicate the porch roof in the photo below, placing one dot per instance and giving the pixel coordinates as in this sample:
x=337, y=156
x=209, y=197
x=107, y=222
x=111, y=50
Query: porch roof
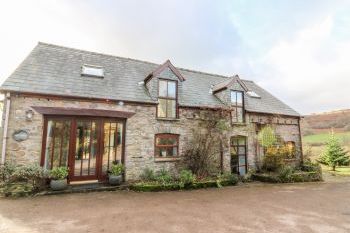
x=82, y=112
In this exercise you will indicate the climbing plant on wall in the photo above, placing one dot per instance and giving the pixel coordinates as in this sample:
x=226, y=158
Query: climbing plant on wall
x=267, y=137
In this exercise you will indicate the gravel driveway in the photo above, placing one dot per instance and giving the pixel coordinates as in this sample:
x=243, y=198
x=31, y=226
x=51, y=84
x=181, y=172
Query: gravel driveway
x=316, y=207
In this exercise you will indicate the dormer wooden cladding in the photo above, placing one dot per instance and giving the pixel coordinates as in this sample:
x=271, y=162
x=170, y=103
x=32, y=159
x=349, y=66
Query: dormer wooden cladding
x=161, y=68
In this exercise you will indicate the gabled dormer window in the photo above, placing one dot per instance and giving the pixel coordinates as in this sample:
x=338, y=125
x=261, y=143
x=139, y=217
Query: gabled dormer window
x=237, y=103
x=167, y=99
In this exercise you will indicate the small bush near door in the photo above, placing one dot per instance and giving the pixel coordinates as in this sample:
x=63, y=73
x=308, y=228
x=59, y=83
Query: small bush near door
x=19, y=180
x=307, y=173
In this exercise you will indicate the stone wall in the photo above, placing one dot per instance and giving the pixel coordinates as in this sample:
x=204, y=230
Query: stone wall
x=140, y=132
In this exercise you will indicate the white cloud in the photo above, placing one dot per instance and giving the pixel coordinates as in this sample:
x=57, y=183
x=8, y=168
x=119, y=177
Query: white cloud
x=311, y=70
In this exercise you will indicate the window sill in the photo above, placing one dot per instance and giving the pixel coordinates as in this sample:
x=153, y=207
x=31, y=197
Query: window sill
x=168, y=119
x=166, y=159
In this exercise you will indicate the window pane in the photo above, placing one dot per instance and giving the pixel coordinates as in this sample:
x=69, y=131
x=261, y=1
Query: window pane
x=171, y=109
x=94, y=71
x=174, y=151
x=171, y=89
x=242, y=170
x=241, y=141
x=57, y=143
x=233, y=97
x=241, y=150
x=166, y=151
x=242, y=160
x=239, y=98
x=166, y=140
x=162, y=88
x=162, y=108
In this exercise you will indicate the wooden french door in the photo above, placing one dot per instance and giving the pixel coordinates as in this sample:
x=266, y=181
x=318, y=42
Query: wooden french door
x=87, y=146
x=85, y=149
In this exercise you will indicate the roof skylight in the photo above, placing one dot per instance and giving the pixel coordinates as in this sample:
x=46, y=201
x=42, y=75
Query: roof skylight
x=253, y=94
x=95, y=71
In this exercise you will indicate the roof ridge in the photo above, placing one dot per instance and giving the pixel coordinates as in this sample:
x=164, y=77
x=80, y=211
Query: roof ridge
x=133, y=59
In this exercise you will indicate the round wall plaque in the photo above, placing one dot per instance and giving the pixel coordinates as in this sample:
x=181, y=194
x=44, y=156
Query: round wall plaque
x=20, y=135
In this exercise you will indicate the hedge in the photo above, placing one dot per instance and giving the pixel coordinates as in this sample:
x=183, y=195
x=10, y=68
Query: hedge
x=155, y=187
x=300, y=176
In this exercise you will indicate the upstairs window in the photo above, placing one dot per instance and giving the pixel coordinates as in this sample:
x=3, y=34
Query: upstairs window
x=167, y=98
x=167, y=145
x=94, y=71
x=237, y=103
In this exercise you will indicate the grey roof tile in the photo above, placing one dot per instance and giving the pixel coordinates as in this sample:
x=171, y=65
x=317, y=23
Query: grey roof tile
x=56, y=70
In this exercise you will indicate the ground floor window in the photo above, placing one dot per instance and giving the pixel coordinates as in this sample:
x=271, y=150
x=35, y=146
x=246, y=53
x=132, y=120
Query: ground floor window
x=166, y=145
x=291, y=149
x=239, y=155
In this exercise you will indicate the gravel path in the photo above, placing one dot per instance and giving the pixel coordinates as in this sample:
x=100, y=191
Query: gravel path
x=314, y=207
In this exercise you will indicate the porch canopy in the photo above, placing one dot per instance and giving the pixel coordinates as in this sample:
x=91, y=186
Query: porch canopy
x=59, y=111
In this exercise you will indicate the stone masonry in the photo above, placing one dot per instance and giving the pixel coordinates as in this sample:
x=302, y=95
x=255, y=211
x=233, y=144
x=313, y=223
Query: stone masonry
x=140, y=131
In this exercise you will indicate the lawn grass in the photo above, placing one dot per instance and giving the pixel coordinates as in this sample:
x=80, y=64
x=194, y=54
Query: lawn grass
x=323, y=137
x=339, y=171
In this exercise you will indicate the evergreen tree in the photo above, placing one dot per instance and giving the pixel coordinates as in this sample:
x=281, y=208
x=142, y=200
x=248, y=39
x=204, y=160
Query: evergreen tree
x=334, y=155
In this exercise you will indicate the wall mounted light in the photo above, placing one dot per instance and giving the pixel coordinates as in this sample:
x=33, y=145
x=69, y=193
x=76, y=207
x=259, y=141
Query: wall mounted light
x=121, y=103
x=29, y=115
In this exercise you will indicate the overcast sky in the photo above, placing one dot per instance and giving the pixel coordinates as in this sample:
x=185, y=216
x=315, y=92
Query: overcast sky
x=298, y=50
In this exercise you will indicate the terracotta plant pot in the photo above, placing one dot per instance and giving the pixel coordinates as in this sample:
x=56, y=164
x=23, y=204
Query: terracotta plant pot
x=58, y=185
x=115, y=180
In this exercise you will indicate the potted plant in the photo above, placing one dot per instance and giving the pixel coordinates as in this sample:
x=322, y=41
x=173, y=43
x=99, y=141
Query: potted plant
x=115, y=174
x=58, y=177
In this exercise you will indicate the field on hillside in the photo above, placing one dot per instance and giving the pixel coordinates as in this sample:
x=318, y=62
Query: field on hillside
x=322, y=138
x=316, y=130
x=317, y=142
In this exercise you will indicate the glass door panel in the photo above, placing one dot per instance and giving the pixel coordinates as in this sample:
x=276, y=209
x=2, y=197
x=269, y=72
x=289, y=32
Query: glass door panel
x=57, y=143
x=238, y=155
x=86, y=148
x=112, y=144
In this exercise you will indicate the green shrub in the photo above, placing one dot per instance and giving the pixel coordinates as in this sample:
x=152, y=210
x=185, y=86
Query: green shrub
x=228, y=179
x=273, y=159
x=154, y=187
x=116, y=169
x=285, y=174
x=32, y=173
x=310, y=166
x=7, y=171
x=164, y=177
x=148, y=175
x=186, y=177
x=59, y=173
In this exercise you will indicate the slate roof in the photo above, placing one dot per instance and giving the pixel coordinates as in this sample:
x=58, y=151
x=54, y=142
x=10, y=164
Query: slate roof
x=56, y=70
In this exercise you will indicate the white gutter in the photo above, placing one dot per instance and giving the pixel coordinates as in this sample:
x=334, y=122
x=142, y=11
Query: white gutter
x=6, y=123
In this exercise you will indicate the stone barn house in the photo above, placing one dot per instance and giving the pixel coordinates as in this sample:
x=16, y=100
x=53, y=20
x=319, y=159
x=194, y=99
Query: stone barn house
x=84, y=110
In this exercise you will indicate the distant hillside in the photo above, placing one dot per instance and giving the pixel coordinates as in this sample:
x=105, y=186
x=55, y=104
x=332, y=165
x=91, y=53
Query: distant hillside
x=322, y=122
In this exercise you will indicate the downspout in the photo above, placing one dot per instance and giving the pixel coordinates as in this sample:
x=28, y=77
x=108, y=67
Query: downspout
x=4, y=138
x=301, y=142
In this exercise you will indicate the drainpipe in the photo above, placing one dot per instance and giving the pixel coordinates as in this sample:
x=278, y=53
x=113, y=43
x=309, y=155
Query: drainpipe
x=4, y=138
x=301, y=142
